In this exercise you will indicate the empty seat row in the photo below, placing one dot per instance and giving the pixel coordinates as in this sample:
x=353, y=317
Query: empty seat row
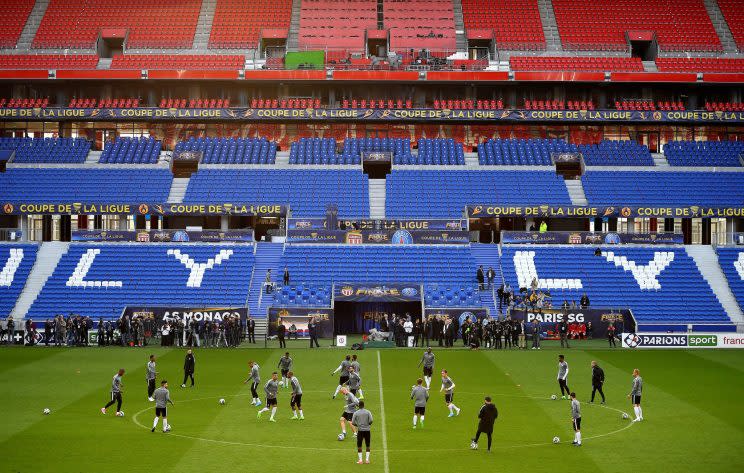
x=704, y=153
x=47, y=150
x=142, y=150
x=231, y=150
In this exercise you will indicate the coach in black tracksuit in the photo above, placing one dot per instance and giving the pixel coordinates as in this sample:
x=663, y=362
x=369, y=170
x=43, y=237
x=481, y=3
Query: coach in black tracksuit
x=487, y=416
x=598, y=378
x=189, y=363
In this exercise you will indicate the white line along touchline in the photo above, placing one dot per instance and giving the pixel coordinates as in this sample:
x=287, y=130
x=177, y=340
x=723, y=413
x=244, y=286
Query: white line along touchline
x=382, y=415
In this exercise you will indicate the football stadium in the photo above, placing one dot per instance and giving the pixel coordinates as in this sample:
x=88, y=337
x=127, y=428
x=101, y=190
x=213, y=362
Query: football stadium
x=387, y=235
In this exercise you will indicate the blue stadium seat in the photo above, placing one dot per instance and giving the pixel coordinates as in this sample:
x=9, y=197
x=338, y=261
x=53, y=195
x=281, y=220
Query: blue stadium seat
x=100, y=280
x=616, y=153
x=732, y=263
x=47, y=150
x=231, y=150
x=704, y=153
x=142, y=150
x=16, y=262
x=521, y=152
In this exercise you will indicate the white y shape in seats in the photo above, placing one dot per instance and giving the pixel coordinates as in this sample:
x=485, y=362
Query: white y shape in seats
x=646, y=275
x=739, y=265
x=11, y=266
x=524, y=264
x=198, y=269
x=77, y=279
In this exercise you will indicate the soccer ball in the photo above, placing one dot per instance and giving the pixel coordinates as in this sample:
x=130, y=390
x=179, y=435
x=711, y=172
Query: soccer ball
x=554, y=397
x=281, y=384
x=222, y=402
x=556, y=440
x=47, y=411
x=120, y=414
x=625, y=416
x=473, y=446
x=341, y=437
x=168, y=429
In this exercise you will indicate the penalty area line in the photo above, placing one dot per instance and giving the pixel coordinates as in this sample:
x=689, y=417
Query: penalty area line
x=382, y=416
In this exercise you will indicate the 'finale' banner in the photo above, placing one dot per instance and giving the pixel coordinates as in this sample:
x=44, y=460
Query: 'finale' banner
x=600, y=319
x=394, y=292
x=300, y=318
x=186, y=314
x=365, y=115
x=573, y=211
x=204, y=236
x=380, y=237
x=592, y=238
x=371, y=224
x=104, y=208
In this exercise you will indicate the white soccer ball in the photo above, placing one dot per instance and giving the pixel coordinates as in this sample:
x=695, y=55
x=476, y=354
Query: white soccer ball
x=281, y=384
x=168, y=429
x=47, y=411
x=556, y=440
x=222, y=402
x=554, y=397
x=625, y=416
x=341, y=437
x=120, y=414
x=473, y=446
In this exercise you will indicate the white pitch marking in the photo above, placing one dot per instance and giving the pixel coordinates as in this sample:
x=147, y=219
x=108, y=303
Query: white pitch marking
x=382, y=416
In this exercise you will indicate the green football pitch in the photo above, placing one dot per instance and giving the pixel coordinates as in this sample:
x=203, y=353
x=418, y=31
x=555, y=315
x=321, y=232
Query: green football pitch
x=692, y=402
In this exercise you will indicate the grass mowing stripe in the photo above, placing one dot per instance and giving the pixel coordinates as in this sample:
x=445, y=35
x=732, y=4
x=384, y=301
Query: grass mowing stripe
x=382, y=415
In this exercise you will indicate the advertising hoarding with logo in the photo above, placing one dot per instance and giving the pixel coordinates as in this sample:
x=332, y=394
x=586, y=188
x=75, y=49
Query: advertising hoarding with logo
x=682, y=340
x=392, y=292
x=300, y=317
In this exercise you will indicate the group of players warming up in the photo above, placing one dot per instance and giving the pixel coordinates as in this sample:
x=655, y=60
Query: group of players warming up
x=355, y=416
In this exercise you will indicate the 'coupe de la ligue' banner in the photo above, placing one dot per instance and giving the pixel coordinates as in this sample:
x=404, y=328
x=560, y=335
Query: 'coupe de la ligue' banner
x=683, y=340
x=573, y=211
x=108, y=208
x=380, y=237
x=366, y=115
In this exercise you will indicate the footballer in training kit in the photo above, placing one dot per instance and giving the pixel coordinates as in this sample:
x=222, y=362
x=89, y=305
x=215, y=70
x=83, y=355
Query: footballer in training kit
x=420, y=396
x=271, y=388
x=255, y=379
x=428, y=361
x=362, y=420
x=635, y=395
x=116, y=389
x=357, y=370
x=344, y=376
x=563, y=376
x=354, y=382
x=150, y=378
x=351, y=406
x=285, y=364
x=576, y=419
x=448, y=386
x=162, y=398
x=295, y=400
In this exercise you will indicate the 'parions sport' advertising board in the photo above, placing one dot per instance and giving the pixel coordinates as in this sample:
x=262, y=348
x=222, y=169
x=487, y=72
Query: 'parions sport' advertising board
x=682, y=340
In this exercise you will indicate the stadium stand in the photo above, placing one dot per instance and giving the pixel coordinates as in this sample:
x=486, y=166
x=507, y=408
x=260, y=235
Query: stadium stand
x=16, y=262
x=699, y=64
x=732, y=264
x=104, y=103
x=376, y=103
x=448, y=192
x=448, y=273
x=616, y=153
x=101, y=280
x=307, y=192
x=338, y=25
x=14, y=17
x=354, y=147
x=454, y=104
x=653, y=188
x=516, y=24
x=681, y=25
x=653, y=282
x=231, y=150
x=132, y=151
x=164, y=24
x=54, y=185
x=420, y=24
x=24, y=103
x=238, y=24
x=734, y=15
x=177, y=61
x=316, y=151
x=286, y=103
x=724, y=106
x=48, y=61
x=47, y=150
x=575, y=63
x=438, y=151
x=194, y=103
x=519, y=152
x=704, y=153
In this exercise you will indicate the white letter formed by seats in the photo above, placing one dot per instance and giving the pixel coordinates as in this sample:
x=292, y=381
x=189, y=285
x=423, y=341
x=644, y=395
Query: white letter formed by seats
x=524, y=264
x=739, y=265
x=11, y=266
x=81, y=270
x=646, y=275
x=198, y=269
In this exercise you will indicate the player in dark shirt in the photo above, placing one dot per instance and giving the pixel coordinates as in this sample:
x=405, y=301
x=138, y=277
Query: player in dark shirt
x=486, y=417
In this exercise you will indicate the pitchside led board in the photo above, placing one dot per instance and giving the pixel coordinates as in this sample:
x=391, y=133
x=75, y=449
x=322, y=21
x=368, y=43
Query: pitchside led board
x=682, y=340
